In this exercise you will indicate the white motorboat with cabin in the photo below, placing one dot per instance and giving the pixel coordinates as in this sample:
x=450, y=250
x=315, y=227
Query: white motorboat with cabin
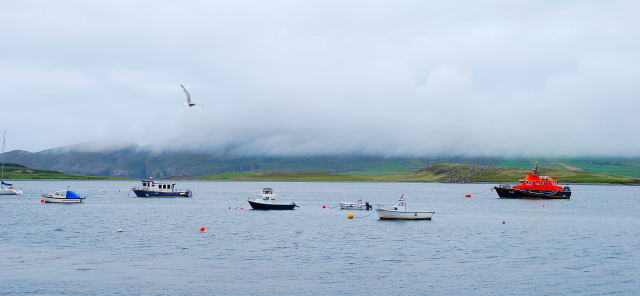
x=152, y=188
x=6, y=188
x=268, y=201
x=398, y=211
x=355, y=206
x=63, y=196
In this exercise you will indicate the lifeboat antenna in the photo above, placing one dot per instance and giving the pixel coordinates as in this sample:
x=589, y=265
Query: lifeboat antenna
x=535, y=168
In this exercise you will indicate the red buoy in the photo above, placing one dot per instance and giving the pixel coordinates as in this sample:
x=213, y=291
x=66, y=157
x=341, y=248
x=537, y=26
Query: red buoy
x=324, y=207
x=202, y=229
x=42, y=201
x=468, y=195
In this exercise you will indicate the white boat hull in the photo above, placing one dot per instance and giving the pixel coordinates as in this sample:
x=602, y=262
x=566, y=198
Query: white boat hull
x=353, y=206
x=10, y=191
x=401, y=215
x=62, y=200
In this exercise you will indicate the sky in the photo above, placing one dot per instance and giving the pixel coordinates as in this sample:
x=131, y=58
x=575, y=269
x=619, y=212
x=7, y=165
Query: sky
x=393, y=78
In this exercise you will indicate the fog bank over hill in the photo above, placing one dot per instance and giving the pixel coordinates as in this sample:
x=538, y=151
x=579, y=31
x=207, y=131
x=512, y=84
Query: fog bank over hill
x=291, y=78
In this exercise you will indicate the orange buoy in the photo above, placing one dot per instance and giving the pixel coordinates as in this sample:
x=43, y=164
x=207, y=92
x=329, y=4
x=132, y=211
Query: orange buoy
x=350, y=216
x=202, y=229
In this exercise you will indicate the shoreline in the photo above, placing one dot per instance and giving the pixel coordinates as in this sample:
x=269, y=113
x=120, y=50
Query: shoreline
x=313, y=181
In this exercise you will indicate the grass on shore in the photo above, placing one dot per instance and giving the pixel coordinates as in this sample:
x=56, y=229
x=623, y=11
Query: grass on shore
x=21, y=172
x=443, y=172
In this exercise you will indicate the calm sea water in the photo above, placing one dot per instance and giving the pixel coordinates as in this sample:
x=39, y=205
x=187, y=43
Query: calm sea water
x=589, y=245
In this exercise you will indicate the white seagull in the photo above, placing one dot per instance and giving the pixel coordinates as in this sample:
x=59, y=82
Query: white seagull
x=188, y=98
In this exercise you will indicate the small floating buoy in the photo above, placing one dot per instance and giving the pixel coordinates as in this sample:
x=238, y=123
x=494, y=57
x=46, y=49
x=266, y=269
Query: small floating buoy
x=202, y=229
x=42, y=201
x=504, y=222
x=242, y=208
x=542, y=206
x=350, y=216
x=119, y=230
x=229, y=207
x=324, y=207
x=468, y=196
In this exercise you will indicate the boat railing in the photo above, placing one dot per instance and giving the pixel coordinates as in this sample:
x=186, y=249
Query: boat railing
x=505, y=186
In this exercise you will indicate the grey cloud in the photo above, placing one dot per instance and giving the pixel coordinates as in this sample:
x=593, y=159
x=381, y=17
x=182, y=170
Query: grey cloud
x=484, y=78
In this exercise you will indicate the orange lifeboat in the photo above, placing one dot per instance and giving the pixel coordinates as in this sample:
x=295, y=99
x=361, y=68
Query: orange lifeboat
x=535, y=186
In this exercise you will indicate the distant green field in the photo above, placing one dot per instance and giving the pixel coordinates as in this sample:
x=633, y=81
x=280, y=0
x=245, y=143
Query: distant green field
x=21, y=172
x=283, y=176
x=443, y=172
x=616, y=166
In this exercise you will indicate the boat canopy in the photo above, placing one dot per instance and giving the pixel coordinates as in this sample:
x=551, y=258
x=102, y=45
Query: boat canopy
x=73, y=195
x=6, y=184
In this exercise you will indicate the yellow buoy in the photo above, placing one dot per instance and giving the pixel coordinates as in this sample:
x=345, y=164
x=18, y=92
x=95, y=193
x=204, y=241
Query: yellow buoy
x=350, y=215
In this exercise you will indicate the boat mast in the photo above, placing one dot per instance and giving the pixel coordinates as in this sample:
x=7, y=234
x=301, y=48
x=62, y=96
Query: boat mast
x=4, y=139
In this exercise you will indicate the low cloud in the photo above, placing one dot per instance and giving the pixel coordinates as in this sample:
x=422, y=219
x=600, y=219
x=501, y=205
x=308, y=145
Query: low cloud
x=297, y=78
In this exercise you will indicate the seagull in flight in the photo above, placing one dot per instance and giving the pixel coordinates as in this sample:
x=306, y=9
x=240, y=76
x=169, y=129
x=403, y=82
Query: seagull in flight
x=188, y=98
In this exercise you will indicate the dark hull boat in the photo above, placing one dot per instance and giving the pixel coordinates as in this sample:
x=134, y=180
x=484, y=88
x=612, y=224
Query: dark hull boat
x=149, y=193
x=267, y=201
x=257, y=205
x=152, y=188
x=531, y=194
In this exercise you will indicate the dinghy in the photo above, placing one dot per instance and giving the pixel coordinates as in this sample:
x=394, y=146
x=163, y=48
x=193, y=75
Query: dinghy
x=355, y=206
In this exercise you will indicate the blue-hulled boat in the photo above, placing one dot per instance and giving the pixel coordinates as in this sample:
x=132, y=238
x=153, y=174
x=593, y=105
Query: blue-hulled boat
x=152, y=188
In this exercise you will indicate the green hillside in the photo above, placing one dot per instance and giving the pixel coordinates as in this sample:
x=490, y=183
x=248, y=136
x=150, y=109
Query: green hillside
x=15, y=171
x=443, y=172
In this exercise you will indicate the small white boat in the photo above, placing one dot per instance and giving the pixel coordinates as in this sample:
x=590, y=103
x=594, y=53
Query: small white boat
x=398, y=211
x=355, y=206
x=268, y=202
x=63, y=196
x=8, y=189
